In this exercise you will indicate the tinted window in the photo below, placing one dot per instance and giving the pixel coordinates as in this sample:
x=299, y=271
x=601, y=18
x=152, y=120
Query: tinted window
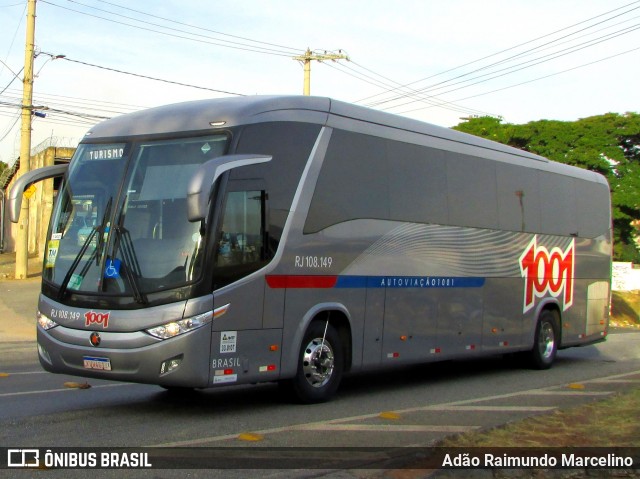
x=593, y=209
x=369, y=177
x=290, y=145
x=518, y=198
x=240, y=249
x=471, y=183
x=353, y=182
x=557, y=204
x=417, y=183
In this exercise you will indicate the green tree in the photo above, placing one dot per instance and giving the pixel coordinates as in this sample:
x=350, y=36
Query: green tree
x=608, y=144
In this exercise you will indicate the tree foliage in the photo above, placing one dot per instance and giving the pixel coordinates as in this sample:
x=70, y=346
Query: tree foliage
x=608, y=144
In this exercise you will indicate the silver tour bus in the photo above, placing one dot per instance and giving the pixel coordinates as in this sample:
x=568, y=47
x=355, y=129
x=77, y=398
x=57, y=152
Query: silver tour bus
x=294, y=239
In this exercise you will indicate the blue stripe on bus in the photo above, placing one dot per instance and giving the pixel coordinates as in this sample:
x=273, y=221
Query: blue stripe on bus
x=409, y=282
x=325, y=282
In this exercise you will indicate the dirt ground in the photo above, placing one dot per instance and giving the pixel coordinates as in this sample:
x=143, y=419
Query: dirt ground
x=8, y=266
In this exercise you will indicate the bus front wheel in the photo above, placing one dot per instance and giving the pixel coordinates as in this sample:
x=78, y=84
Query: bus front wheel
x=320, y=364
x=546, y=340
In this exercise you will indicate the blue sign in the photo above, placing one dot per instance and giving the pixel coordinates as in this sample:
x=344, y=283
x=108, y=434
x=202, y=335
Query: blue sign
x=112, y=269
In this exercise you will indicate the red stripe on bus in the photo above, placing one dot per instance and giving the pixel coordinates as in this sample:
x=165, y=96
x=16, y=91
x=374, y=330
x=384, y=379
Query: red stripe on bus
x=292, y=281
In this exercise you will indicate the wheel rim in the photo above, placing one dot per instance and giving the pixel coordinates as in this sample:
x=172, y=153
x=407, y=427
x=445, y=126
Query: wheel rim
x=318, y=362
x=546, y=340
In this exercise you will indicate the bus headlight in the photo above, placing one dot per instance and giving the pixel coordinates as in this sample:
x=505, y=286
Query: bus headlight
x=175, y=328
x=44, y=321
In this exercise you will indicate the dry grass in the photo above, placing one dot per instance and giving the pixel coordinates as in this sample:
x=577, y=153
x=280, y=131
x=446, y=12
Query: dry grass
x=611, y=422
x=625, y=309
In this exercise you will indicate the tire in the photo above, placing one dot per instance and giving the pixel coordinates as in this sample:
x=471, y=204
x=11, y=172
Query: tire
x=545, y=345
x=320, y=364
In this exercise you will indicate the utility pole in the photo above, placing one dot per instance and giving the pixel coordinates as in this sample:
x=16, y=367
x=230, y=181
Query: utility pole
x=22, y=236
x=306, y=60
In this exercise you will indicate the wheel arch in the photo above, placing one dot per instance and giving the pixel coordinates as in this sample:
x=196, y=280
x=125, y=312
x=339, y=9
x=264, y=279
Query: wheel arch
x=339, y=317
x=548, y=304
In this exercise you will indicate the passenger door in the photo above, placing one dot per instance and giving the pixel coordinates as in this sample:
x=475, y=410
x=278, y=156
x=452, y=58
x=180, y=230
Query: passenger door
x=240, y=347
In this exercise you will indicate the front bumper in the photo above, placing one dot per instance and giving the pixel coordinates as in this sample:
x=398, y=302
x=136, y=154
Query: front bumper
x=138, y=357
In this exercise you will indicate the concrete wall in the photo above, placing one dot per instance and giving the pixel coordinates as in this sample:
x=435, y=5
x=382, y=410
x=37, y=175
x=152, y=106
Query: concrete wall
x=40, y=204
x=625, y=277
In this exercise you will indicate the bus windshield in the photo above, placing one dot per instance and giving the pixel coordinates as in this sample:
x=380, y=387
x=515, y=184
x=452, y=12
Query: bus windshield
x=120, y=224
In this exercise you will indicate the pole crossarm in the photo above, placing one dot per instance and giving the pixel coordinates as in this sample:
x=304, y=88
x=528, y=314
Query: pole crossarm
x=320, y=57
x=309, y=55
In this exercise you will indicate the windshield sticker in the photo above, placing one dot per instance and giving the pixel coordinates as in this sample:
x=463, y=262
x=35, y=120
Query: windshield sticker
x=228, y=341
x=52, y=253
x=112, y=269
x=105, y=154
x=206, y=148
x=56, y=236
x=75, y=282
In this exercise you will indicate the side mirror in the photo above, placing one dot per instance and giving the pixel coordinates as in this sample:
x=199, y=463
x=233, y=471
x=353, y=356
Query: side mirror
x=25, y=181
x=201, y=183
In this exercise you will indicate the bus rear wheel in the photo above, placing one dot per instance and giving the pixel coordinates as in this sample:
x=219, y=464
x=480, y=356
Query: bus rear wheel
x=545, y=345
x=320, y=364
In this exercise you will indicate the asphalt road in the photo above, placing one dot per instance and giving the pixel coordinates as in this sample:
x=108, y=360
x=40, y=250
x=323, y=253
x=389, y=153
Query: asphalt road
x=413, y=406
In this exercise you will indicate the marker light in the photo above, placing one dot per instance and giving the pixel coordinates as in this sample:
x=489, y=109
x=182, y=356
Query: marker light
x=175, y=328
x=44, y=321
x=44, y=354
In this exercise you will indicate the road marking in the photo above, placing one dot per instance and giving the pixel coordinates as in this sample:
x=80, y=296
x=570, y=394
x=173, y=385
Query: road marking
x=575, y=386
x=577, y=392
x=28, y=372
x=250, y=436
x=494, y=408
x=386, y=428
x=44, y=391
x=464, y=403
x=616, y=381
x=389, y=415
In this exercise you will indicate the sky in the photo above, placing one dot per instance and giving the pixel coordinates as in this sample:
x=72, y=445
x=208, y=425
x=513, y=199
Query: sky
x=438, y=61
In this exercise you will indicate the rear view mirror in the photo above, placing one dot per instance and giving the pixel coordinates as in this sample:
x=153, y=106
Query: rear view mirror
x=201, y=184
x=26, y=180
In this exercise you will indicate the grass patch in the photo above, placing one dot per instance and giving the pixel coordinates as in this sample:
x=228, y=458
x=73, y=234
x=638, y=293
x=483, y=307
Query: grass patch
x=625, y=309
x=612, y=422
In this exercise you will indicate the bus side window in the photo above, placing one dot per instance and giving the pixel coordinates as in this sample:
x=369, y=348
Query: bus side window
x=240, y=248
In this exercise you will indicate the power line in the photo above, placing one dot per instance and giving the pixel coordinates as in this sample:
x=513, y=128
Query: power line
x=50, y=97
x=293, y=50
x=504, y=51
x=245, y=47
x=13, y=39
x=432, y=100
x=8, y=130
x=150, y=77
x=536, y=79
x=525, y=65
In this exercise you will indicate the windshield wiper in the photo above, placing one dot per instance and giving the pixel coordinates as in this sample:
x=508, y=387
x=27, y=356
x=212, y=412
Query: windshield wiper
x=76, y=261
x=132, y=265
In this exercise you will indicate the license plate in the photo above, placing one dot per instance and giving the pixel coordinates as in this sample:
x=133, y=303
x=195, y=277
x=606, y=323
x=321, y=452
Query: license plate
x=104, y=364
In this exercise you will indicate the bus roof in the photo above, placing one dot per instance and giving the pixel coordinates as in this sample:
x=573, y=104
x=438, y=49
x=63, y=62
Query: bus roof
x=209, y=115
